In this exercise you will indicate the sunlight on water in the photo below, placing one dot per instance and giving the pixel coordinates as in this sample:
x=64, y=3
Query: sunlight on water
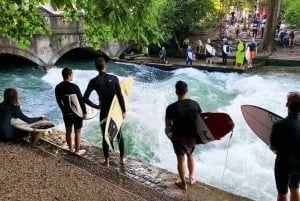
x=242, y=164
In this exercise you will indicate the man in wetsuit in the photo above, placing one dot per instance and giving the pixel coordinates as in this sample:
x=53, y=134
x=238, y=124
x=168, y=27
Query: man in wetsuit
x=10, y=108
x=62, y=92
x=285, y=142
x=106, y=86
x=181, y=121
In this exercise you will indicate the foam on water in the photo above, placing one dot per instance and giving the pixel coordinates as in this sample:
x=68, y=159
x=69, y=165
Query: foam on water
x=249, y=162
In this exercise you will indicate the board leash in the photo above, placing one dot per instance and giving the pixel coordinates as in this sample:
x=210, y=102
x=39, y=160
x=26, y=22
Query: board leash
x=227, y=148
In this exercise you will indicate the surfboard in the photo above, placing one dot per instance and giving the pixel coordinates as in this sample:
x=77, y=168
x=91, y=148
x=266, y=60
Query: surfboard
x=76, y=108
x=260, y=121
x=38, y=126
x=247, y=54
x=211, y=126
x=114, y=118
x=211, y=50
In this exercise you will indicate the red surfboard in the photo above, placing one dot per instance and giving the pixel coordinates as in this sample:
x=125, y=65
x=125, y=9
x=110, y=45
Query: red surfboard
x=212, y=126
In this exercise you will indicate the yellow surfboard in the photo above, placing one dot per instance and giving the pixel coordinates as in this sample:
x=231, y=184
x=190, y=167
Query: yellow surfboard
x=114, y=118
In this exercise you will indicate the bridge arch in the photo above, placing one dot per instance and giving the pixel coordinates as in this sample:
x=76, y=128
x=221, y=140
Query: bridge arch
x=22, y=53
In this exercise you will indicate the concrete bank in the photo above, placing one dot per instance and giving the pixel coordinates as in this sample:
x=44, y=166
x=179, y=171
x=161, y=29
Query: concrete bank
x=156, y=183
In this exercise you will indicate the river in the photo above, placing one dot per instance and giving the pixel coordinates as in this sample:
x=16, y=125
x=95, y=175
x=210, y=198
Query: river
x=242, y=164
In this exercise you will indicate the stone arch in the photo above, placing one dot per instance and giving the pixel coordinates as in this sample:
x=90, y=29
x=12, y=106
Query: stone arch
x=22, y=53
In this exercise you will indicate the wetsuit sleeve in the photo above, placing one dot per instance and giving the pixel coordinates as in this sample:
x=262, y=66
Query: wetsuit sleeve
x=274, y=138
x=80, y=99
x=87, y=94
x=25, y=118
x=119, y=95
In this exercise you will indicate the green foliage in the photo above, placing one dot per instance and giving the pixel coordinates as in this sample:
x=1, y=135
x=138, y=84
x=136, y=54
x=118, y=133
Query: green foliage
x=291, y=13
x=19, y=20
x=177, y=17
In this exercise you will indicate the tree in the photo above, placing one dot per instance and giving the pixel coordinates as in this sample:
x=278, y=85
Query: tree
x=272, y=20
x=291, y=12
x=104, y=20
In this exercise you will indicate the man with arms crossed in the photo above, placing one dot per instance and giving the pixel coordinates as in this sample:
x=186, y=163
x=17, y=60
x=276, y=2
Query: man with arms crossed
x=180, y=120
x=285, y=142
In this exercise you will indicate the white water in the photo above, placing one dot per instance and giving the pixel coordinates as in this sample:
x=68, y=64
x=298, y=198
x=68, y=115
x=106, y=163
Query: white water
x=249, y=166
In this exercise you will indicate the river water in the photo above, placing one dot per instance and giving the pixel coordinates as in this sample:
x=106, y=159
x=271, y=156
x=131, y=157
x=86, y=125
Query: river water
x=242, y=164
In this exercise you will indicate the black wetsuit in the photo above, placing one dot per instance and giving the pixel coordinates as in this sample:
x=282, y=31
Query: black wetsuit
x=62, y=90
x=7, y=112
x=285, y=137
x=106, y=86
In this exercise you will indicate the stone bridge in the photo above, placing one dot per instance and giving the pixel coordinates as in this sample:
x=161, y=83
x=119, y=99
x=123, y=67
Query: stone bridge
x=66, y=36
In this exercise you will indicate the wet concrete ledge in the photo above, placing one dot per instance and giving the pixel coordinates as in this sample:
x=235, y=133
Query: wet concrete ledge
x=158, y=180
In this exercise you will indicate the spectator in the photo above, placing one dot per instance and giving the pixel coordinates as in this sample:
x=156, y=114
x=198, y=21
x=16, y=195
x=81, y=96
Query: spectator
x=283, y=38
x=292, y=39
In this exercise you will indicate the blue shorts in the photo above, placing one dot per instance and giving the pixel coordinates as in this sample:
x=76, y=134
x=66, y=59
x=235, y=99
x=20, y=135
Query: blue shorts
x=72, y=119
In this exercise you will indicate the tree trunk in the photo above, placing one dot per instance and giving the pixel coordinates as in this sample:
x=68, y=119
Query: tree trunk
x=268, y=42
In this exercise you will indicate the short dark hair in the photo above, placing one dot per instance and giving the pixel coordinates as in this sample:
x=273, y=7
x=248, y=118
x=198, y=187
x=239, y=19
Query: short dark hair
x=293, y=102
x=66, y=72
x=100, y=63
x=181, y=87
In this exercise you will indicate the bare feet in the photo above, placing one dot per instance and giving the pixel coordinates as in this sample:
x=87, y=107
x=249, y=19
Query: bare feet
x=104, y=163
x=192, y=180
x=181, y=184
x=80, y=151
x=122, y=160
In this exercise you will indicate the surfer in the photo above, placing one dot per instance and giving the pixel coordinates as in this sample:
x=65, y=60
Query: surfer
x=62, y=90
x=106, y=85
x=10, y=108
x=285, y=142
x=189, y=56
x=180, y=120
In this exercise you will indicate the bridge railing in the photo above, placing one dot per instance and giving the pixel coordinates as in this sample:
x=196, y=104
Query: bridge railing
x=59, y=25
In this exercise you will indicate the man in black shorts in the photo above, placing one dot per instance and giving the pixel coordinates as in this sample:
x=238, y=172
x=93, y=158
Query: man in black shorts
x=285, y=142
x=62, y=92
x=180, y=120
x=107, y=86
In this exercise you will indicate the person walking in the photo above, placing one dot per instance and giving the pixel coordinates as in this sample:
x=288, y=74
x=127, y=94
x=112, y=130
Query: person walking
x=285, y=142
x=107, y=86
x=190, y=56
x=163, y=55
x=11, y=108
x=62, y=92
x=180, y=121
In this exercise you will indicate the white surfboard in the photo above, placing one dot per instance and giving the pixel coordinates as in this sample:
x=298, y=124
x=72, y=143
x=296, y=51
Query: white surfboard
x=38, y=126
x=247, y=54
x=114, y=118
x=260, y=121
x=211, y=50
x=75, y=106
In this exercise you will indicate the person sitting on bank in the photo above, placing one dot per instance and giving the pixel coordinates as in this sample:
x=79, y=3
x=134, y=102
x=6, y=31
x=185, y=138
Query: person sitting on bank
x=283, y=38
x=11, y=108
